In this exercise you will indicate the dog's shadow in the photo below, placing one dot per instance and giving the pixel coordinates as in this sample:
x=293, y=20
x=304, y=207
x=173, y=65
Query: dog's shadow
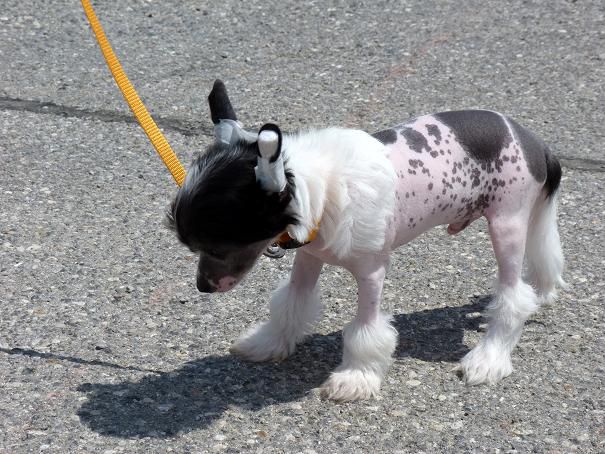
x=438, y=334
x=192, y=397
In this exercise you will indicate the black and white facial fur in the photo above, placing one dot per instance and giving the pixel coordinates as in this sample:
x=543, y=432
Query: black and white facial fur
x=225, y=211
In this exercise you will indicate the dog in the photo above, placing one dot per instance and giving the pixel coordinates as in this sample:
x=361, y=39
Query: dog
x=349, y=198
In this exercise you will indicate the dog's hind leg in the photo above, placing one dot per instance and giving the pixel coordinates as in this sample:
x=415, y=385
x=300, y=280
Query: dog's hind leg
x=512, y=304
x=369, y=340
x=294, y=309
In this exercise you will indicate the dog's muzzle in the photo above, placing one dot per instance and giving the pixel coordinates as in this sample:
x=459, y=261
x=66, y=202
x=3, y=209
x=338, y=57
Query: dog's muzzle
x=204, y=286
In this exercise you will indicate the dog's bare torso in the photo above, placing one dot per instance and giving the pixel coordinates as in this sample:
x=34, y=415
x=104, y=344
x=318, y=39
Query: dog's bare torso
x=440, y=179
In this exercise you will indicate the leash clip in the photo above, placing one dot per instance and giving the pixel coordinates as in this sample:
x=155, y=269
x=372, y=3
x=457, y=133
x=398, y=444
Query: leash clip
x=274, y=251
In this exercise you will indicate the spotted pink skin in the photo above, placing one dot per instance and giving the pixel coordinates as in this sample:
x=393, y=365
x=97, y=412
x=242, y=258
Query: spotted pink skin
x=443, y=184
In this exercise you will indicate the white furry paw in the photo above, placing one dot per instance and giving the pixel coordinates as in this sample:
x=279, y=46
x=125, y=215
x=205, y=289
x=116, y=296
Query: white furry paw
x=351, y=384
x=263, y=343
x=485, y=364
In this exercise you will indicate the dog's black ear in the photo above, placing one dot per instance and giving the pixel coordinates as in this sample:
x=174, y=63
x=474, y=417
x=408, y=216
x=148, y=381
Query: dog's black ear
x=227, y=129
x=220, y=105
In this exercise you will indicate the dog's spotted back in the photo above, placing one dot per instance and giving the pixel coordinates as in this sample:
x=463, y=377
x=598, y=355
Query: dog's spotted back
x=454, y=167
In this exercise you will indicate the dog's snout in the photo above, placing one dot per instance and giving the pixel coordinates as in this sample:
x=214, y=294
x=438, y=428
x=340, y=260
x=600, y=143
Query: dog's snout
x=205, y=287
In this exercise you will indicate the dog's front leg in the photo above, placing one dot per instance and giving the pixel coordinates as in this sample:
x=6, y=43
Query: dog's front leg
x=295, y=308
x=369, y=340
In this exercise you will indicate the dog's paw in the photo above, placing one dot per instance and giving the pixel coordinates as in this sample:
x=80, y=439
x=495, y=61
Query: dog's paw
x=485, y=364
x=351, y=384
x=263, y=343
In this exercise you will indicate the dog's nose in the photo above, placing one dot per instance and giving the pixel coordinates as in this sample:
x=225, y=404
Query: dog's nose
x=205, y=287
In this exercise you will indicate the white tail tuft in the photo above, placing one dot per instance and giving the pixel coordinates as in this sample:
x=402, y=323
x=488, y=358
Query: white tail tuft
x=543, y=254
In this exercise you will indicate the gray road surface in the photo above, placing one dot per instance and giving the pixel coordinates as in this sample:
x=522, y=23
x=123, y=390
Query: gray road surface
x=105, y=344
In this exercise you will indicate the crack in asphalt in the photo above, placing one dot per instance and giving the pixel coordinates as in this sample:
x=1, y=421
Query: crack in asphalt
x=184, y=127
x=72, y=359
x=587, y=164
x=190, y=128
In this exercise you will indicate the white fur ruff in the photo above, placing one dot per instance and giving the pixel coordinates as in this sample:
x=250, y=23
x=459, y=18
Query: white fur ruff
x=345, y=180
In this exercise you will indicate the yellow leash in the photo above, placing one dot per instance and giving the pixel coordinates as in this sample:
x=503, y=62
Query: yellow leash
x=132, y=98
x=140, y=112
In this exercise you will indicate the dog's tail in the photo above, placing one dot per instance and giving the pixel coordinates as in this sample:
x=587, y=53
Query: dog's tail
x=543, y=253
x=553, y=174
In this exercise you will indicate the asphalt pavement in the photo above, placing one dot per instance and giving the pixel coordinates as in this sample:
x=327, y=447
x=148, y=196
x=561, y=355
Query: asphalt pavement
x=105, y=344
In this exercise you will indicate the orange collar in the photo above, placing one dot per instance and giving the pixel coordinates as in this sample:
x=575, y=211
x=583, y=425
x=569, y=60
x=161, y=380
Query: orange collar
x=285, y=241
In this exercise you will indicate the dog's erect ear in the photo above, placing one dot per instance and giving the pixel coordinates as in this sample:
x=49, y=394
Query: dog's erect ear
x=220, y=105
x=270, y=171
x=226, y=127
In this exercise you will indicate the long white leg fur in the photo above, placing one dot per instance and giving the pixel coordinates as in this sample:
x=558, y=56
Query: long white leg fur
x=367, y=355
x=512, y=304
x=490, y=360
x=368, y=341
x=295, y=307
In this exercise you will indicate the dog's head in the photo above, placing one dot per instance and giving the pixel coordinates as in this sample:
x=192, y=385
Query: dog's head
x=233, y=203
